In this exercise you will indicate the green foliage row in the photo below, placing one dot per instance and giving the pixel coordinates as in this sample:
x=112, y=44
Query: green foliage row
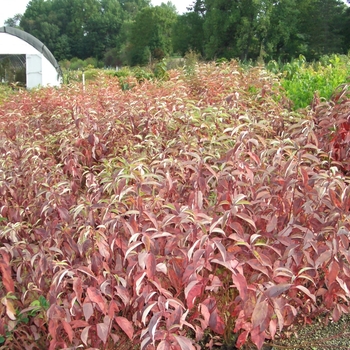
x=127, y=76
x=77, y=63
x=303, y=82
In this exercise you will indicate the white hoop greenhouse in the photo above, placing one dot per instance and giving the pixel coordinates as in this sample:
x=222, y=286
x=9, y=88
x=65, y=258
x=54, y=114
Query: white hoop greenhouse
x=39, y=65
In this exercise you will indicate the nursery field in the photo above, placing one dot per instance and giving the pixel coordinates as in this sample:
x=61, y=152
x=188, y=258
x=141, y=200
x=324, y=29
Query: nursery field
x=183, y=214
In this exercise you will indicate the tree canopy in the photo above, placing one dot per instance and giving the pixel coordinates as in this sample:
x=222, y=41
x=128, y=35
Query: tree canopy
x=135, y=32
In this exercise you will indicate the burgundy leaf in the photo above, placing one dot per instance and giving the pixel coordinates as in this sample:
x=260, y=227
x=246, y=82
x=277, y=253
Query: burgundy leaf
x=78, y=323
x=194, y=292
x=78, y=289
x=241, y=284
x=333, y=272
x=113, y=308
x=123, y=294
x=255, y=264
x=275, y=291
x=263, y=259
x=335, y=201
x=325, y=256
x=146, y=312
x=164, y=345
x=152, y=218
x=67, y=327
x=131, y=248
x=126, y=326
x=215, y=283
x=103, y=249
x=336, y=314
x=150, y=266
x=87, y=271
x=85, y=334
x=273, y=327
x=96, y=297
x=206, y=315
x=152, y=326
x=242, y=339
x=222, y=250
x=216, y=323
x=5, y=270
x=307, y=292
x=88, y=310
x=271, y=224
x=260, y=314
x=53, y=325
x=236, y=226
x=102, y=331
x=257, y=337
x=176, y=280
x=343, y=285
x=185, y=343
x=247, y=219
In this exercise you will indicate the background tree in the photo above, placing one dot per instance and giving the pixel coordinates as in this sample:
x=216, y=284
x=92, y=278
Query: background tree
x=283, y=38
x=75, y=28
x=346, y=30
x=102, y=28
x=14, y=21
x=133, y=32
x=150, y=34
x=132, y=7
x=41, y=21
x=249, y=29
x=188, y=33
x=220, y=28
x=321, y=23
x=198, y=7
x=247, y=43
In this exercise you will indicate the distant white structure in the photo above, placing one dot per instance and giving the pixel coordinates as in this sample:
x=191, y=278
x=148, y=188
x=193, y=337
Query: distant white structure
x=42, y=68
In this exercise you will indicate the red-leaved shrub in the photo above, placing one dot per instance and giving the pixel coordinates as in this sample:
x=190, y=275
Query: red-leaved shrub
x=168, y=216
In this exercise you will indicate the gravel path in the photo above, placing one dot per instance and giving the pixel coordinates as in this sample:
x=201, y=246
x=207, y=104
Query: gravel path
x=335, y=335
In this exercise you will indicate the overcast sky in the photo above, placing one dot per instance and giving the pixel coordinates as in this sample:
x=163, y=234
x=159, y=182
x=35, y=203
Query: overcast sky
x=8, y=8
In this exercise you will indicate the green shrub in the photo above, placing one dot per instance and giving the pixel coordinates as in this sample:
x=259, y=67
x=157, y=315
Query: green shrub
x=175, y=63
x=141, y=74
x=91, y=61
x=192, y=58
x=122, y=73
x=76, y=63
x=5, y=92
x=91, y=74
x=161, y=71
x=302, y=80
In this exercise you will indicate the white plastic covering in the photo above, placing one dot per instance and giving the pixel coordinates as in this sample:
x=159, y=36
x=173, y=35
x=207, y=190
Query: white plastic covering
x=40, y=71
x=34, y=70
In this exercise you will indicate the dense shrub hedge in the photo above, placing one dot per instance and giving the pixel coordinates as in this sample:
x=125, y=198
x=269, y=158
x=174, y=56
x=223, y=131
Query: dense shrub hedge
x=171, y=215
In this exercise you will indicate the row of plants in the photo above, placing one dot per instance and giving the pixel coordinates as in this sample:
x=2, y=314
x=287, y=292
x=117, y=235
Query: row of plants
x=173, y=215
x=157, y=70
x=302, y=80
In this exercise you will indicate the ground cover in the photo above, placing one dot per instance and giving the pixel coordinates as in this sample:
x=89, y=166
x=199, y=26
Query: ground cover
x=174, y=215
